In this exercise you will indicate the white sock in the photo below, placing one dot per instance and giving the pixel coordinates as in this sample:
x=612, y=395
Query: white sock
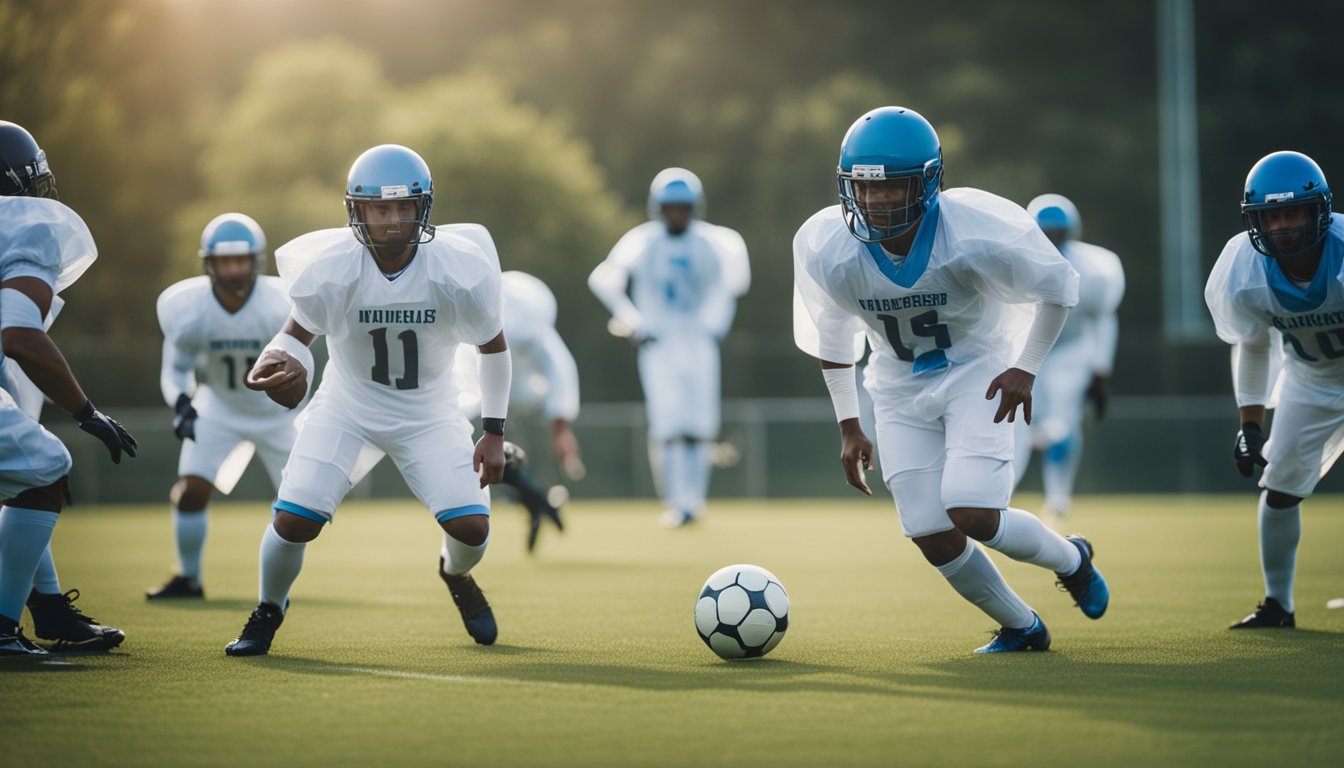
x=697, y=470
x=459, y=558
x=281, y=561
x=1023, y=537
x=1059, y=469
x=189, y=529
x=45, y=580
x=1280, y=530
x=975, y=578
x=24, y=536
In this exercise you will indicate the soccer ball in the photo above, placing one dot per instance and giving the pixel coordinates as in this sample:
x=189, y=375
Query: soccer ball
x=742, y=612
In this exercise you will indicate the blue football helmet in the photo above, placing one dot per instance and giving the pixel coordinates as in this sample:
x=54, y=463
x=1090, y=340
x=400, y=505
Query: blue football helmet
x=1056, y=213
x=233, y=234
x=390, y=172
x=23, y=164
x=1284, y=180
x=889, y=145
x=676, y=186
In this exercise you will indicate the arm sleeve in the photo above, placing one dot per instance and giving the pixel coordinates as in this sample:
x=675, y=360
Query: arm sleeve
x=177, y=374
x=1250, y=371
x=562, y=373
x=1044, y=331
x=610, y=280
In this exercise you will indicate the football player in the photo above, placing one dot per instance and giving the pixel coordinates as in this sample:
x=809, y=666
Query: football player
x=685, y=276
x=394, y=296
x=943, y=284
x=1284, y=274
x=44, y=248
x=218, y=323
x=1080, y=362
x=545, y=386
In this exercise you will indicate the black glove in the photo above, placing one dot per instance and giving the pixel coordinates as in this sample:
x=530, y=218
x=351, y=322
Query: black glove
x=105, y=428
x=184, y=423
x=1246, y=451
x=1097, y=394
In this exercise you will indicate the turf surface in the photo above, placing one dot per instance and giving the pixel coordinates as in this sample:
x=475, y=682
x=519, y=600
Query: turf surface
x=598, y=662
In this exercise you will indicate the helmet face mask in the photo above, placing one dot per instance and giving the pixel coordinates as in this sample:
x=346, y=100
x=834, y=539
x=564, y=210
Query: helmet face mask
x=1286, y=205
x=388, y=197
x=233, y=274
x=889, y=174
x=883, y=209
x=393, y=224
x=23, y=165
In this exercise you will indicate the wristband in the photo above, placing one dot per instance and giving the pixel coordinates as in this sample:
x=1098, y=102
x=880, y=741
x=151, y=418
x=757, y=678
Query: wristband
x=844, y=394
x=493, y=426
x=496, y=375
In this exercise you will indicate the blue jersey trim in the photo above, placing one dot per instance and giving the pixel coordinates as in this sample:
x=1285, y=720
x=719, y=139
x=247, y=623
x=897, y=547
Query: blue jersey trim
x=304, y=512
x=908, y=272
x=456, y=512
x=1295, y=299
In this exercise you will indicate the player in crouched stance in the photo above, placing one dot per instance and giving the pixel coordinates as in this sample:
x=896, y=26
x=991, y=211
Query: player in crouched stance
x=941, y=283
x=1284, y=274
x=394, y=296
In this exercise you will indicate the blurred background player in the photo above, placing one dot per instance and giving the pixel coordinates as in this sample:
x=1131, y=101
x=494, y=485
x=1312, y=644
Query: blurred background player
x=942, y=284
x=44, y=248
x=218, y=323
x=545, y=387
x=1079, y=365
x=1285, y=273
x=685, y=276
x=394, y=296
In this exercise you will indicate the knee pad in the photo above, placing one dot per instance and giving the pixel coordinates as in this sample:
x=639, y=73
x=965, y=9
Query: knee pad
x=977, y=482
x=48, y=498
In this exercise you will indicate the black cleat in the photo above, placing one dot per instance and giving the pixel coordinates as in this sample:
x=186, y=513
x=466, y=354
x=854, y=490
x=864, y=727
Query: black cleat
x=1267, y=615
x=59, y=622
x=15, y=644
x=178, y=587
x=257, y=634
x=471, y=603
x=530, y=493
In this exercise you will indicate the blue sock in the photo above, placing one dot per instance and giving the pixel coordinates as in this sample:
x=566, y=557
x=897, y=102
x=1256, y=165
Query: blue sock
x=24, y=536
x=46, y=580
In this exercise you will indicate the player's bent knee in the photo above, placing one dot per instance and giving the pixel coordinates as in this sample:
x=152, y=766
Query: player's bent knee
x=47, y=498
x=191, y=493
x=297, y=529
x=978, y=523
x=941, y=548
x=471, y=530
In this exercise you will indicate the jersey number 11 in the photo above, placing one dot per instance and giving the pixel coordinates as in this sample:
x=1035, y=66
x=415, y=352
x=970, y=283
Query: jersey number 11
x=410, y=347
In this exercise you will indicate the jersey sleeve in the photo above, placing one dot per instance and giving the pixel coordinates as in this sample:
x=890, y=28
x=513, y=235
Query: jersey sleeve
x=180, y=349
x=44, y=239
x=821, y=327
x=314, y=275
x=610, y=280
x=1233, y=319
x=475, y=290
x=735, y=267
x=562, y=374
x=1004, y=253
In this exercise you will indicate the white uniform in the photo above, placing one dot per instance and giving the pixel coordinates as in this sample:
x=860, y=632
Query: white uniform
x=44, y=239
x=1086, y=346
x=1248, y=294
x=685, y=291
x=545, y=376
x=389, y=387
x=200, y=335
x=942, y=324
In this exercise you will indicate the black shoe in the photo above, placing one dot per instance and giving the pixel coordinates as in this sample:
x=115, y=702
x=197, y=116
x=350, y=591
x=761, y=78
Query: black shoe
x=59, y=622
x=176, y=588
x=15, y=644
x=530, y=493
x=471, y=603
x=257, y=634
x=1267, y=615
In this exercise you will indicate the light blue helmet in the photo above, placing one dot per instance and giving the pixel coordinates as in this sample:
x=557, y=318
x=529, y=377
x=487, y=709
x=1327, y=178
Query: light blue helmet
x=889, y=144
x=390, y=172
x=233, y=234
x=1056, y=213
x=1285, y=180
x=676, y=186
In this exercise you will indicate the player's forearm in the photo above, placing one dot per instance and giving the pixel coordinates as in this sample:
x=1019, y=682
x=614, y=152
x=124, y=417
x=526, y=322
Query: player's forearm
x=840, y=383
x=42, y=361
x=1041, y=338
x=1253, y=413
x=175, y=375
x=1252, y=380
x=609, y=285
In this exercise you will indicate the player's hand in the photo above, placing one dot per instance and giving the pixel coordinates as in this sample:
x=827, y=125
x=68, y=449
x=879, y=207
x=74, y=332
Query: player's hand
x=1015, y=384
x=184, y=422
x=106, y=428
x=1246, y=451
x=275, y=369
x=565, y=448
x=1098, y=395
x=856, y=454
x=488, y=459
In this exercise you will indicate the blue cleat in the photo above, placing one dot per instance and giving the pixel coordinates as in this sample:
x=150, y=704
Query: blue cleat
x=1006, y=640
x=1086, y=584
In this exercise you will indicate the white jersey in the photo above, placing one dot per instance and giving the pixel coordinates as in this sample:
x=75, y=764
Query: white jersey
x=680, y=285
x=965, y=291
x=392, y=341
x=545, y=376
x=1093, y=322
x=44, y=239
x=1248, y=294
x=201, y=336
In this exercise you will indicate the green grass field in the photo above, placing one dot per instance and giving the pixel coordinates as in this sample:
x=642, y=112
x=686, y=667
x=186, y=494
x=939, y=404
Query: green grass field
x=598, y=662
